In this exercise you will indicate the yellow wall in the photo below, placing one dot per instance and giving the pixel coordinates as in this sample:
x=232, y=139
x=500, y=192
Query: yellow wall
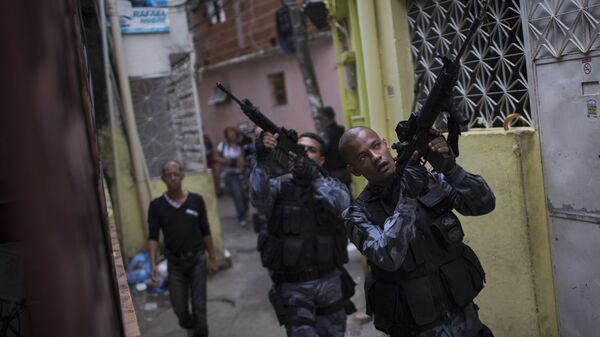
x=512, y=241
x=129, y=217
x=128, y=212
x=537, y=217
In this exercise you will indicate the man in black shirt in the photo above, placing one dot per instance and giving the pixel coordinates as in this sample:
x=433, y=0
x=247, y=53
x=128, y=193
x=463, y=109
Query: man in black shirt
x=334, y=162
x=181, y=215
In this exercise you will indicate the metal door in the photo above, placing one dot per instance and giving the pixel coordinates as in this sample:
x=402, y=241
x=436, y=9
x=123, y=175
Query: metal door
x=568, y=96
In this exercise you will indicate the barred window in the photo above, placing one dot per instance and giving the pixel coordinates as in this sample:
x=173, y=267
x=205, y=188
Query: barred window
x=215, y=11
x=167, y=121
x=492, y=82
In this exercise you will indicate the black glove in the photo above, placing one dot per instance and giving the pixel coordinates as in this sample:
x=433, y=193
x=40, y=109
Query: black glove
x=414, y=179
x=441, y=162
x=261, y=151
x=305, y=168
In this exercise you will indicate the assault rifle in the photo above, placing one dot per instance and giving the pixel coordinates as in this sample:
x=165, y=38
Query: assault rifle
x=287, y=140
x=414, y=134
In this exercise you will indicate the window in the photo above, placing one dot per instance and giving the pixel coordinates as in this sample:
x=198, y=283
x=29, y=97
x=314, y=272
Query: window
x=215, y=11
x=278, y=92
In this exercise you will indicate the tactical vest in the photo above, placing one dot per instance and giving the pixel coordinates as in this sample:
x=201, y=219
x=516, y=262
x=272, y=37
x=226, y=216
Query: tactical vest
x=439, y=276
x=305, y=237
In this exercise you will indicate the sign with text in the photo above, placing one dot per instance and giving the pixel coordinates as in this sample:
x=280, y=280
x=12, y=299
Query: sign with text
x=145, y=20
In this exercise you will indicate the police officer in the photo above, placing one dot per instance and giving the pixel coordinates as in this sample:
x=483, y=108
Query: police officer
x=423, y=277
x=304, y=246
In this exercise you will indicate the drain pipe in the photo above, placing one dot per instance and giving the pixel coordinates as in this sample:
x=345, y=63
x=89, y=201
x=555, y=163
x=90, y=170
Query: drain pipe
x=135, y=146
x=111, y=112
x=373, y=80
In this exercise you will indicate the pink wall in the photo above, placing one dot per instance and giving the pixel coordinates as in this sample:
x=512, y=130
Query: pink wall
x=249, y=80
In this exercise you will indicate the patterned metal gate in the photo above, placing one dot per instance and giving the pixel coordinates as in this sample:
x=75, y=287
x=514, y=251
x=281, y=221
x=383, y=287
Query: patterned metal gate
x=493, y=81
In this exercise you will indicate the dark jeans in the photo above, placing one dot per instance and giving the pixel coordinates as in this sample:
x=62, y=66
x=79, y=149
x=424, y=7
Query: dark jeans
x=189, y=274
x=235, y=186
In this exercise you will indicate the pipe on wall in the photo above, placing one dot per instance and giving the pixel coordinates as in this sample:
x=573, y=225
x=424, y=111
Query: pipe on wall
x=372, y=66
x=135, y=146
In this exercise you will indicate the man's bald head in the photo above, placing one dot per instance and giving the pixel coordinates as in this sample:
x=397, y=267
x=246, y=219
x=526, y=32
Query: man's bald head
x=170, y=162
x=349, y=136
x=366, y=154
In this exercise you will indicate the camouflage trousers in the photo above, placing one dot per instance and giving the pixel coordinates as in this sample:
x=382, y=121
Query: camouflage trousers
x=300, y=304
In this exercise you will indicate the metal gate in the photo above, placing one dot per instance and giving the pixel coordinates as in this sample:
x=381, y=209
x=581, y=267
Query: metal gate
x=492, y=82
x=564, y=44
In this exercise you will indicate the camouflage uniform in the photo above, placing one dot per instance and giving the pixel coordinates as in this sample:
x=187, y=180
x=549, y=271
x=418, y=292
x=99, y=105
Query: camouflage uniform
x=391, y=238
x=309, y=305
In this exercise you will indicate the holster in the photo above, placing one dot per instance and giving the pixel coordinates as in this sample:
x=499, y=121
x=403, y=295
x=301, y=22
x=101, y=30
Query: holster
x=348, y=290
x=279, y=305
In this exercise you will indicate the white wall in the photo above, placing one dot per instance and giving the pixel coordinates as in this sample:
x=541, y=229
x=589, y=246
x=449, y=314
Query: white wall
x=148, y=54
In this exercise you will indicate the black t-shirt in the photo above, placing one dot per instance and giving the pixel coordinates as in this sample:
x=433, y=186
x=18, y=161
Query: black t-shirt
x=183, y=228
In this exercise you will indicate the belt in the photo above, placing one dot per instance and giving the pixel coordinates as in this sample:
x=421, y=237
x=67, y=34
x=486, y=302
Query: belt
x=303, y=276
x=184, y=253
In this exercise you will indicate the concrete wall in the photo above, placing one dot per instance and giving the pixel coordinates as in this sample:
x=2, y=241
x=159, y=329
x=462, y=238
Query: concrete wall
x=128, y=212
x=512, y=241
x=148, y=54
x=250, y=80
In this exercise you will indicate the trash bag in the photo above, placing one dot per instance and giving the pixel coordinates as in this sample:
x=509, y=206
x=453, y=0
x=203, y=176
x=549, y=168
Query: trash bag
x=138, y=271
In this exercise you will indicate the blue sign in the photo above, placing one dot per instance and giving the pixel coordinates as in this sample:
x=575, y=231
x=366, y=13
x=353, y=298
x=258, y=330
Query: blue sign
x=147, y=3
x=145, y=20
x=156, y=3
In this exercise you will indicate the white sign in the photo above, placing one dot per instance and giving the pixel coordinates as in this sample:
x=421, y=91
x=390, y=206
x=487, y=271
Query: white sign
x=124, y=8
x=145, y=20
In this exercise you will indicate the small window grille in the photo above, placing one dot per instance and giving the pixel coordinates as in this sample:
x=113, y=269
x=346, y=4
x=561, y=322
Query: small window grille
x=278, y=91
x=215, y=11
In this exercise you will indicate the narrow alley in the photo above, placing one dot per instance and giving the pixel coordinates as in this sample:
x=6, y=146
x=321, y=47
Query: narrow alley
x=237, y=296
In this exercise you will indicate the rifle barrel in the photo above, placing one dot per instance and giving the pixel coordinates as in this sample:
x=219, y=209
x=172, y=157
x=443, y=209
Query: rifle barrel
x=220, y=86
x=474, y=26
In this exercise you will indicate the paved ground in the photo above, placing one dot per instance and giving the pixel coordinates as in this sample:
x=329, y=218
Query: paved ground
x=237, y=296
